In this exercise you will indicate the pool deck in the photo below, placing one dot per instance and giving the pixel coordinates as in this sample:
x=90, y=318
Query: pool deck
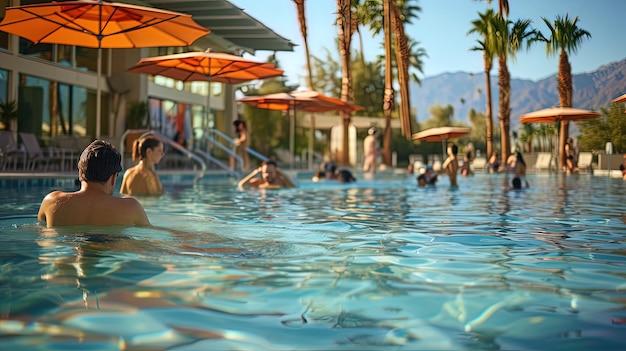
x=615, y=173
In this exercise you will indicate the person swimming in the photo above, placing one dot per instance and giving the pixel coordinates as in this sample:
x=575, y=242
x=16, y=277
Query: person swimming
x=94, y=204
x=270, y=177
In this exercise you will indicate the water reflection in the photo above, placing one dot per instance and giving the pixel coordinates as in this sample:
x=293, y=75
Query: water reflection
x=371, y=265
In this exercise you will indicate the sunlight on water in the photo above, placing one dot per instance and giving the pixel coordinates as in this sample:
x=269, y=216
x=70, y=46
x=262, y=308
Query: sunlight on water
x=379, y=264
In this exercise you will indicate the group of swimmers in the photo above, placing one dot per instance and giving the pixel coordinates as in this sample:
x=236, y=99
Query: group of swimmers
x=516, y=165
x=329, y=171
x=100, y=164
x=98, y=170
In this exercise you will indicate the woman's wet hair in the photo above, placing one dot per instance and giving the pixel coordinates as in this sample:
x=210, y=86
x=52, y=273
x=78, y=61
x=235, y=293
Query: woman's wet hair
x=98, y=162
x=453, y=148
x=239, y=122
x=519, y=158
x=141, y=145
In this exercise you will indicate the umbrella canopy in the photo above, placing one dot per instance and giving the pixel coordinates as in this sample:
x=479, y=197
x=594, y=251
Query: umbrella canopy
x=441, y=133
x=620, y=99
x=101, y=24
x=558, y=114
x=307, y=101
x=206, y=66
x=97, y=23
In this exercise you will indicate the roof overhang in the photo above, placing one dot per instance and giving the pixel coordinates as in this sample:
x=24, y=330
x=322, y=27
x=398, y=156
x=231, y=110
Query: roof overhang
x=231, y=28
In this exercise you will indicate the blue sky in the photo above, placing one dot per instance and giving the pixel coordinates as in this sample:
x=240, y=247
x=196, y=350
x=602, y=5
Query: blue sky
x=441, y=30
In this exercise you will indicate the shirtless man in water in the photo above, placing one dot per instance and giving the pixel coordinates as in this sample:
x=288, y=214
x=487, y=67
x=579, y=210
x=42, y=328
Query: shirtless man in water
x=94, y=203
x=271, y=178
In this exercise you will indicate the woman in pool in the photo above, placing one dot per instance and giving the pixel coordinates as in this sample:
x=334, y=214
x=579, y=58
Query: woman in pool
x=142, y=178
x=242, y=142
x=493, y=163
x=519, y=169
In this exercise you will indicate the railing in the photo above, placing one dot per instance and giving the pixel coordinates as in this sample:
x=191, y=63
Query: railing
x=213, y=138
x=167, y=141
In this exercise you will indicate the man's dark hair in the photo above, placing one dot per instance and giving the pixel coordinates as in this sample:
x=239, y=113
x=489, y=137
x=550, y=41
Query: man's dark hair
x=269, y=163
x=99, y=161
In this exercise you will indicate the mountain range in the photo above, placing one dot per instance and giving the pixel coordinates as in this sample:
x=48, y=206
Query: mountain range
x=465, y=91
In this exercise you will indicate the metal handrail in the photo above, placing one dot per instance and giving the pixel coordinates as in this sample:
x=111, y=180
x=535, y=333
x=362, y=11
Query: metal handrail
x=218, y=162
x=231, y=141
x=168, y=141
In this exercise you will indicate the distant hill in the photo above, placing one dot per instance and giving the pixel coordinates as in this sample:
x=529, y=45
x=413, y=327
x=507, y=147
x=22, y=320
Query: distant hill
x=591, y=91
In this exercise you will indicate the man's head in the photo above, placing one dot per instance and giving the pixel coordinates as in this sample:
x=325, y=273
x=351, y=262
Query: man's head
x=421, y=180
x=268, y=171
x=98, y=162
x=371, y=131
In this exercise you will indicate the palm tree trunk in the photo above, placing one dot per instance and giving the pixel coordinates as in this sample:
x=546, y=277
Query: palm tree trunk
x=388, y=99
x=504, y=82
x=303, y=31
x=344, y=25
x=565, y=98
x=402, y=61
x=488, y=113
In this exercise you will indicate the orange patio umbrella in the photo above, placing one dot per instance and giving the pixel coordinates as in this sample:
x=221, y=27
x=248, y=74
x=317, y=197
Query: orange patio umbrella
x=620, y=99
x=442, y=134
x=206, y=66
x=305, y=100
x=101, y=24
x=558, y=114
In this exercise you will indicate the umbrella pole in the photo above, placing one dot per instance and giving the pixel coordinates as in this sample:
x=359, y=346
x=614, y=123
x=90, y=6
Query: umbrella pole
x=558, y=145
x=98, y=92
x=311, y=141
x=292, y=132
x=208, y=109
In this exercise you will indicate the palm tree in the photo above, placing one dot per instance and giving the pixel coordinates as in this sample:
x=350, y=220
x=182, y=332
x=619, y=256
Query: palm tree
x=388, y=96
x=390, y=16
x=484, y=27
x=401, y=13
x=303, y=31
x=529, y=132
x=503, y=8
x=345, y=27
x=565, y=37
x=509, y=37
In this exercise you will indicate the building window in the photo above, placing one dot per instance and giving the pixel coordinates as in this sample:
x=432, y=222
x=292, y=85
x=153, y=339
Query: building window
x=49, y=109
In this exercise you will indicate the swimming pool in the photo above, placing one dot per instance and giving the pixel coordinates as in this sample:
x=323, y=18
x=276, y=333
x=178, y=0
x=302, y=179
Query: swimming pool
x=379, y=264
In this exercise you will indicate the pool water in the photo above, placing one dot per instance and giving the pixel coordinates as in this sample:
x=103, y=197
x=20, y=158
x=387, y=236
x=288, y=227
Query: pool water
x=378, y=264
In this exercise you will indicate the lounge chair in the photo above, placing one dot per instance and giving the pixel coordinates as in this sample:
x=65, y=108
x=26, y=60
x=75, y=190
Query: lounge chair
x=479, y=163
x=35, y=155
x=544, y=161
x=10, y=154
x=584, y=161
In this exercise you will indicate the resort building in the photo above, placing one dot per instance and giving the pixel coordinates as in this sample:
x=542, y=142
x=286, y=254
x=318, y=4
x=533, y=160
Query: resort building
x=55, y=86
